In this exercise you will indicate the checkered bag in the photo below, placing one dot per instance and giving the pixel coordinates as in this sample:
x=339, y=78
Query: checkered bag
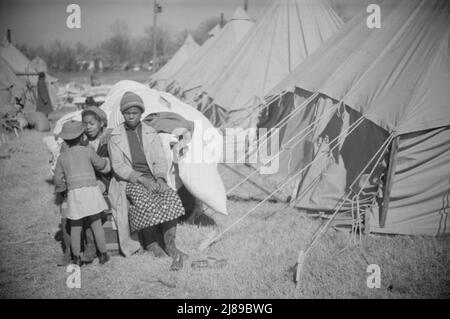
x=151, y=208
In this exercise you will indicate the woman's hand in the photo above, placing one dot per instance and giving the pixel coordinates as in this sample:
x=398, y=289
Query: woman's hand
x=149, y=183
x=163, y=187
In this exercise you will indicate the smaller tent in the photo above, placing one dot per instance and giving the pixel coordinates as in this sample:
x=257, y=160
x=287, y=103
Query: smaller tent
x=287, y=33
x=10, y=85
x=184, y=53
x=211, y=56
x=27, y=72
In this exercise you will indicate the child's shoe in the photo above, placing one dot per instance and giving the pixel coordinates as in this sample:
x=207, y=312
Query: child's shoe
x=77, y=261
x=65, y=261
x=103, y=258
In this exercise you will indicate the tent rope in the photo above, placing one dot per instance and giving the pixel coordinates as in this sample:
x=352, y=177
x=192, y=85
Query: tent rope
x=215, y=238
x=264, y=137
x=303, y=254
x=284, y=148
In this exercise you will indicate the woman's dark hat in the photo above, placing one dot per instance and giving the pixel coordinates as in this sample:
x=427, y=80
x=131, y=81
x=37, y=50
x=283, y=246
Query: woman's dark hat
x=130, y=99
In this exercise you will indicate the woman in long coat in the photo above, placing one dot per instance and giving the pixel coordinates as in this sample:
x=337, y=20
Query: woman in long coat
x=141, y=200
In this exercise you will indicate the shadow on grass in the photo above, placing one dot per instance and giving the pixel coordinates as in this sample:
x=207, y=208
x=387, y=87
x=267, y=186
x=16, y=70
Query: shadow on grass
x=193, y=215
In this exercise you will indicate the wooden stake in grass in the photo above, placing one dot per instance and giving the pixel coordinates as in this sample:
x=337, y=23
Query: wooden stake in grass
x=300, y=262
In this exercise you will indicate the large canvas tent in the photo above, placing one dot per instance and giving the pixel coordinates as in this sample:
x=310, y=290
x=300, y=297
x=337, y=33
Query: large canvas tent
x=373, y=101
x=183, y=54
x=287, y=33
x=10, y=85
x=211, y=56
x=27, y=72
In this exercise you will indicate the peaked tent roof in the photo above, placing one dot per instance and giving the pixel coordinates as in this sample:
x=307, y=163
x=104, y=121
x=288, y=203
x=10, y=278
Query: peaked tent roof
x=398, y=75
x=9, y=83
x=183, y=54
x=7, y=76
x=213, y=53
x=288, y=32
x=19, y=62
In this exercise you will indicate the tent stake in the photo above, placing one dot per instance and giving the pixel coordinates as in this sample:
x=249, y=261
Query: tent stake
x=300, y=262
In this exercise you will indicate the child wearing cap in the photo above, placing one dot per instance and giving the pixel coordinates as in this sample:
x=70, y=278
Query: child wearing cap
x=74, y=173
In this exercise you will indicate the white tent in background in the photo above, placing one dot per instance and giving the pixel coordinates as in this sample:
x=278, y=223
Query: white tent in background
x=211, y=56
x=184, y=53
x=25, y=70
x=288, y=32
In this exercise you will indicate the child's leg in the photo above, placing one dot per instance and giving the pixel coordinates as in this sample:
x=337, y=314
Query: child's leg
x=99, y=233
x=66, y=236
x=66, y=243
x=75, y=236
x=89, y=248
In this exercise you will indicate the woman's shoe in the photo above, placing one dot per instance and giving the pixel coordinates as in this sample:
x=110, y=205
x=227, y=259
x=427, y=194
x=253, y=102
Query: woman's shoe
x=103, y=258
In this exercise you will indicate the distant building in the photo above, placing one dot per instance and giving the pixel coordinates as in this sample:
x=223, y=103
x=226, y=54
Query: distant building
x=90, y=61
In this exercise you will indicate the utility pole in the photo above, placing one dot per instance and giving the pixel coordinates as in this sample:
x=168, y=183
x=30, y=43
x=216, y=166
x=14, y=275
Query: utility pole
x=246, y=5
x=155, y=13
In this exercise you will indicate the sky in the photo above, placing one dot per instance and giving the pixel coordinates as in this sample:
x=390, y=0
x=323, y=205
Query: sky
x=41, y=21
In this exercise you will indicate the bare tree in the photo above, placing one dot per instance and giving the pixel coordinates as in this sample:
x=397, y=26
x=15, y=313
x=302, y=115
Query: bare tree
x=118, y=46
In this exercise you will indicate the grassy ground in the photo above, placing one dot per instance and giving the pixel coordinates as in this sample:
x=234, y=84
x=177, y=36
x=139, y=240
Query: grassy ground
x=261, y=252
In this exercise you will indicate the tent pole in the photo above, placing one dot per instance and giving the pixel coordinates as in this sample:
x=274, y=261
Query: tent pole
x=389, y=181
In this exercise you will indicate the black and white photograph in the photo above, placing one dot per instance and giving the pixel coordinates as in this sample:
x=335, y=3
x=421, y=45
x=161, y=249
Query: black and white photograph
x=224, y=154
